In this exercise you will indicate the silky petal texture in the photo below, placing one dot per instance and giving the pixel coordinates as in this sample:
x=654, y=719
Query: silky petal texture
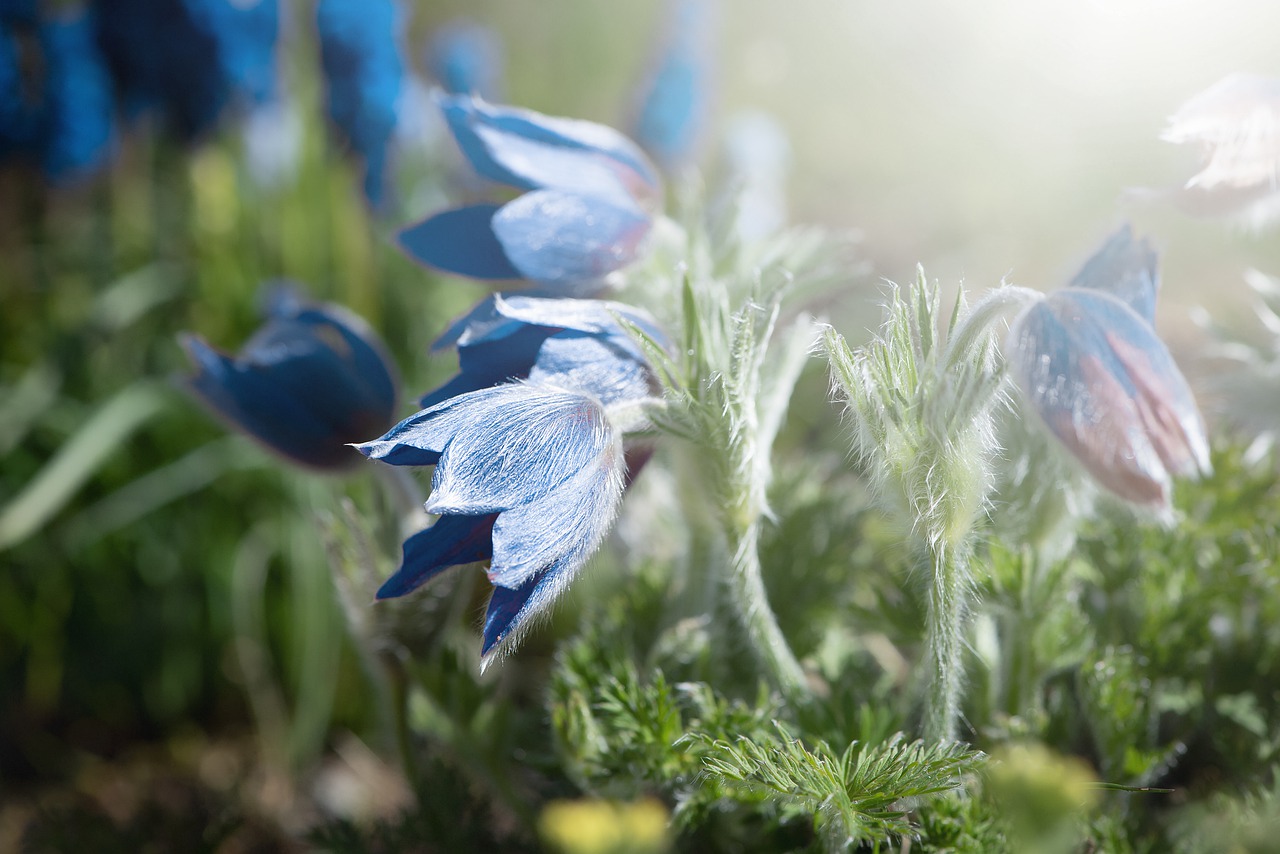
x=564, y=527
x=564, y=238
x=510, y=612
x=513, y=444
x=450, y=541
x=495, y=140
x=460, y=241
x=307, y=384
x=1126, y=269
x=607, y=367
x=500, y=314
x=1107, y=387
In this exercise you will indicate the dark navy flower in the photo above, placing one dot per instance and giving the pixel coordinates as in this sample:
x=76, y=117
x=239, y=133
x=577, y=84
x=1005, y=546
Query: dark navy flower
x=314, y=379
x=573, y=343
x=527, y=476
x=60, y=113
x=590, y=201
x=1091, y=365
x=466, y=59
x=675, y=99
x=190, y=60
x=363, y=69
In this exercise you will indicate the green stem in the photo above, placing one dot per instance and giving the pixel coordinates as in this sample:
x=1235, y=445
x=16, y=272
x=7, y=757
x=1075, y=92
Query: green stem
x=752, y=602
x=948, y=603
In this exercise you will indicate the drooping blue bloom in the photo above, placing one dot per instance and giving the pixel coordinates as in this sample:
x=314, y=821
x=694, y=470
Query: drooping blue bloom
x=590, y=201
x=527, y=476
x=466, y=59
x=361, y=56
x=189, y=60
x=676, y=97
x=1091, y=365
x=311, y=381
x=573, y=343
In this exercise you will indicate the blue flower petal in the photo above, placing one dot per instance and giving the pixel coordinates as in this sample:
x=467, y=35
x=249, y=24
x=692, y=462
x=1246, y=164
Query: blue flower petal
x=450, y=541
x=562, y=528
x=531, y=151
x=676, y=97
x=510, y=445
x=509, y=612
x=312, y=380
x=1126, y=269
x=564, y=238
x=492, y=361
x=460, y=241
x=1107, y=387
x=608, y=367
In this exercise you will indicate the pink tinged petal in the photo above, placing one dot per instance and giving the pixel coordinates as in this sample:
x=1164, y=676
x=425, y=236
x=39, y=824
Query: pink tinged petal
x=557, y=237
x=1107, y=387
x=510, y=445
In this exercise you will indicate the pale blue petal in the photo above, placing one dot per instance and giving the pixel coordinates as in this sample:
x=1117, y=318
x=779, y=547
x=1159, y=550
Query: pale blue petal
x=494, y=138
x=564, y=527
x=563, y=238
x=509, y=445
x=609, y=368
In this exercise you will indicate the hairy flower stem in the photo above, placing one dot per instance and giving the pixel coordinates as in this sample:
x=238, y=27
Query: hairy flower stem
x=948, y=607
x=752, y=604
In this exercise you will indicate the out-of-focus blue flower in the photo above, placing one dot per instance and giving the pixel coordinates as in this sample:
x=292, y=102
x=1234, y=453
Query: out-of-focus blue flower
x=571, y=343
x=527, y=476
x=466, y=59
x=676, y=97
x=311, y=381
x=1091, y=365
x=361, y=56
x=190, y=59
x=78, y=115
x=63, y=119
x=592, y=195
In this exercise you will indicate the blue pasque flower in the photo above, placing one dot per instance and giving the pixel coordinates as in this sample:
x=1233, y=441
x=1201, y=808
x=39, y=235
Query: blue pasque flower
x=1091, y=365
x=575, y=343
x=527, y=476
x=312, y=380
x=590, y=201
x=364, y=72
